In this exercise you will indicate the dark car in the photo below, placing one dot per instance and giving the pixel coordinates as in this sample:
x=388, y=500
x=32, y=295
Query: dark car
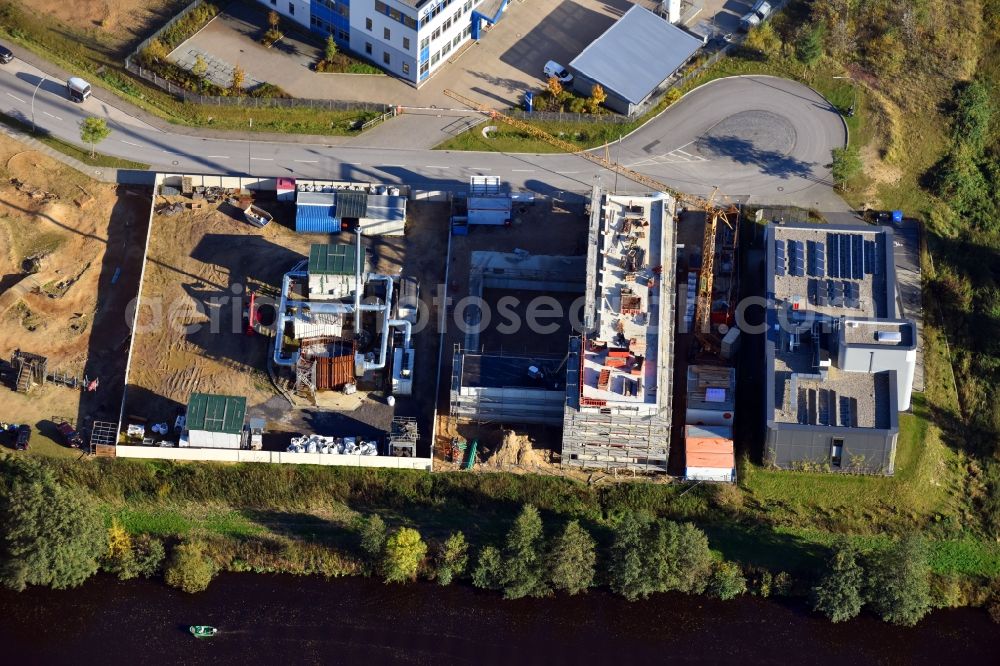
x=6, y=55
x=70, y=436
x=23, y=437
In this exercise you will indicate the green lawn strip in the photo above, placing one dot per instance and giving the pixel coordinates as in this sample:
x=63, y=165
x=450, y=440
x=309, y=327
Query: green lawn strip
x=85, y=55
x=77, y=153
x=169, y=520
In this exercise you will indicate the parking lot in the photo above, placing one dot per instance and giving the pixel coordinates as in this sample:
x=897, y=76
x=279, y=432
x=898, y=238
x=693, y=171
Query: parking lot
x=507, y=61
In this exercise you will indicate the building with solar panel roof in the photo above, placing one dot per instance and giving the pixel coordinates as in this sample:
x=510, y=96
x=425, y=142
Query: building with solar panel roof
x=839, y=359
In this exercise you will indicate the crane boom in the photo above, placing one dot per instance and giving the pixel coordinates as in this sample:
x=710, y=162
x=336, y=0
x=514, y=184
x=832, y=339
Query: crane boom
x=713, y=212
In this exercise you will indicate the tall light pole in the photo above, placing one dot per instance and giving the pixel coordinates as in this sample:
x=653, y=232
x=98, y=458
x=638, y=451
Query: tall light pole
x=35, y=92
x=248, y=146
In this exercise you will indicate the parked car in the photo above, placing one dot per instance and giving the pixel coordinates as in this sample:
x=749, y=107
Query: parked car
x=23, y=437
x=70, y=436
x=749, y=21
x=6, y=55
x=762, y=8
x=552, y=68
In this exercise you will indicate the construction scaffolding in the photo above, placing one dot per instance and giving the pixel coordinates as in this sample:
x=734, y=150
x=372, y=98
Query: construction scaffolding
x=403, y=437
x=29, y=370
x=103, y=438
x=507, y=388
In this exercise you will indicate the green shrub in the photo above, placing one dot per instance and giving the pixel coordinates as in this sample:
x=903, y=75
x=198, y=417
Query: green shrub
x=488, y=574
x=727, y=581
x=840, y=592
x=404, y=553
x=452, y=558
x=189, y=568
x=523, y=557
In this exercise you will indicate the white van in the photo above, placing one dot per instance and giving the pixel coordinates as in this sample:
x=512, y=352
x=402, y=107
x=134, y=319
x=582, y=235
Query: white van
x=554, y=69
x=79, y=90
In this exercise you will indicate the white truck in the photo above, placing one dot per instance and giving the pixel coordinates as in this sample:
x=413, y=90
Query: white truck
x=79, y=90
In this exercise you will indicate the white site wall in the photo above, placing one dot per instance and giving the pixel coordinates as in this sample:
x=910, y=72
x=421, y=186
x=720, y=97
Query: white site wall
x=246, y=455
x=723, y=474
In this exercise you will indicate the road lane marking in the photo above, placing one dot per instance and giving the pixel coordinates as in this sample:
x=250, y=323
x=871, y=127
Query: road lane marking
x=130, y=143
x=263, y=159
x=523, y=170
x=306, y=161
x=479, y=169
x=17, y=98
x=392, y=166
x=51, y=116
x=431, y=166
x=217, y=157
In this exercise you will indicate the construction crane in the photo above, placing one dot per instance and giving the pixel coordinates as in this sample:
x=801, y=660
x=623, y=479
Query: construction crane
x=713, y=211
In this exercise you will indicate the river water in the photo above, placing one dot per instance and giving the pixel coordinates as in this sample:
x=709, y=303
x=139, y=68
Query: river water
x=287, y=620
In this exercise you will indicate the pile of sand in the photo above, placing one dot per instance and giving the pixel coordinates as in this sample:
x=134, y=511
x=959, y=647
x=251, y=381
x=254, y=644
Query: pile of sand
x=514, y=451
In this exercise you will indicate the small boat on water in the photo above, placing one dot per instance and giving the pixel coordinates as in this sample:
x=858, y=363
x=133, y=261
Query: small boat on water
x=203, y=631
x=257, y=216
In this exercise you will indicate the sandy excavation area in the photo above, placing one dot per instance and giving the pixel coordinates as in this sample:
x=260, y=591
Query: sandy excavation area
x=70, y=250
x=191, y=334
x=119, y=23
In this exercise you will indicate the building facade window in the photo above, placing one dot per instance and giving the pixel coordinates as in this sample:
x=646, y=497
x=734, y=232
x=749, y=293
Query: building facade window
x=435, y=57
x=436, y=33
x=386, y=58
x=424, y=67
x=446, y=25
x=468, y=6
x=406, y=68
x=380, y=7
x=386, y=35
x=836, y=452
x=291, y=9
x=368, y=48
x=368, y=24
x=424, y=43
x=467, y=31
x=445, y=49
x=406, y=43
x=458, y=16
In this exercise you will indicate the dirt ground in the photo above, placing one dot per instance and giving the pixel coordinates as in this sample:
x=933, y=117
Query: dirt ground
x=56, y=257
x=120, y=23
x=191, y=334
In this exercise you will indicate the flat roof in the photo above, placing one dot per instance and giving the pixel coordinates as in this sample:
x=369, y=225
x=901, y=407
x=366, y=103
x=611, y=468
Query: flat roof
x=711, y=387
x=351, y=204
x=833, y=271
x=621, y=361
x=893, y=333
x=338, y=259
x=636, y=54
x=823, y=277
x=505, y=371
x=216, y=413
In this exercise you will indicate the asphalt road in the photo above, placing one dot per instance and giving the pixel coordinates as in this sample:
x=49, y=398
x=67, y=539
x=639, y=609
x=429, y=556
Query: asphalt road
x=764, y=137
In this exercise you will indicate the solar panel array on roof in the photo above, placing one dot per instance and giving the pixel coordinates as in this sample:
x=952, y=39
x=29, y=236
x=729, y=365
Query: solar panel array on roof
x=870, y=257
x=852, y=294
x=796, y=258
x=779, y=257
x=817, y=259
x=351, y=204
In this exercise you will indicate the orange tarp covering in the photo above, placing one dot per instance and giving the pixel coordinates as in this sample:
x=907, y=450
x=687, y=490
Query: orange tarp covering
x=332, y=373
x=710, y=453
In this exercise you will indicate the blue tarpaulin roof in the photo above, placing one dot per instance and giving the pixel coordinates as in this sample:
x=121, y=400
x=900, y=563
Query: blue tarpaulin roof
x=636, y=54
x=316, y=220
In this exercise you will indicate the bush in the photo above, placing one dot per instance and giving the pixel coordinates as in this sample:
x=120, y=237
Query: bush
x=488, y=574
x=839, y=595
x=524, y=565
x=404, y=552
x=372, y=536
x=52, y=535
x=627, y=571
x=899, y=583
x=452, y=558
x=678, y=557
x=189, y=568
x=572, y=559
x=727, y=581
x=846, y=165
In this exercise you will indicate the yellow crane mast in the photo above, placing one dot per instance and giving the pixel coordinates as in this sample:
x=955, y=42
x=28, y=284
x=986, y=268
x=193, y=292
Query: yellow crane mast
x=713, y=212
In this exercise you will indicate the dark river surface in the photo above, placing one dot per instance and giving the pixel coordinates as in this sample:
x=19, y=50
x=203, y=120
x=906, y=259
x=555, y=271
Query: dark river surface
x=287, y=620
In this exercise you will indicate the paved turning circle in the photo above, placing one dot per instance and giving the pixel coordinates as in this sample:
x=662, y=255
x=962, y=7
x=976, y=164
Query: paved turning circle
x=749, y=135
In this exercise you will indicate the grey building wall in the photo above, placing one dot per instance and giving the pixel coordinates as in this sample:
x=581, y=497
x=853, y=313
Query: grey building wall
x=793, y=446
x=583, y=86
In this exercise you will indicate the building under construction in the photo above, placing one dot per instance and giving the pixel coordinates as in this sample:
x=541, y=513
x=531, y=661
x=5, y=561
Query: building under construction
x=619, y=371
